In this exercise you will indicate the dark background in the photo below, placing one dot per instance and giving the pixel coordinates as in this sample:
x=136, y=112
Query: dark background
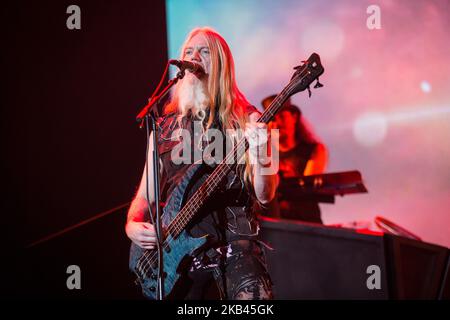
x=70, y=146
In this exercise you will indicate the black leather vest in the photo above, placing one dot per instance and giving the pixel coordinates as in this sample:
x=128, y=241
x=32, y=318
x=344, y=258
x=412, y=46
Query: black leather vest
x=229, y=214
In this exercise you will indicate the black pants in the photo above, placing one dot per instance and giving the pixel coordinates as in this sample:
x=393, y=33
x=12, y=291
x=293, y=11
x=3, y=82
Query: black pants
x=240, y=274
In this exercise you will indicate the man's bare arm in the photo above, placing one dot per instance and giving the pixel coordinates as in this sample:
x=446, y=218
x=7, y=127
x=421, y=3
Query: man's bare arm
x=265, y=185
x=139, y=204
x=140, y=232
x=318, y=161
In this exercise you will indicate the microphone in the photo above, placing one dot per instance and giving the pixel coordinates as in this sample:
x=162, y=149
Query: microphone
x=189, y=65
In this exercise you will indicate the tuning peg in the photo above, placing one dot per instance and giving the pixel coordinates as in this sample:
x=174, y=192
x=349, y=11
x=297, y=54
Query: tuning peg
x=303, y=63
x=318, y=84
x=309, y=91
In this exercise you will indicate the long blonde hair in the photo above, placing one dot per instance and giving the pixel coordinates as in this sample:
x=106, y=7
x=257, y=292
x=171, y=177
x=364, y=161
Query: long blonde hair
x=225, y=98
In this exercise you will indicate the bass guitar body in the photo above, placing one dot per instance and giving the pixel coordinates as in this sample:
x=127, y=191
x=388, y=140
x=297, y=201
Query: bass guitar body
x=177, y=251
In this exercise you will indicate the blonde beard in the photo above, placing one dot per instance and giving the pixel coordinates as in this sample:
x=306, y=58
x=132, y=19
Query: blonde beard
x=193, y=97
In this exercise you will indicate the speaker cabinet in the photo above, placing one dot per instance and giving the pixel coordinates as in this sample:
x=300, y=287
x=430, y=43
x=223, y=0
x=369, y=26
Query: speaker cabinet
x=417, y=268
x=310, y=261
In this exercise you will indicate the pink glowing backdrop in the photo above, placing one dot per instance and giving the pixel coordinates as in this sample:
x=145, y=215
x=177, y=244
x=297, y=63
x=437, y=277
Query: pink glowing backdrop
x=385, y=107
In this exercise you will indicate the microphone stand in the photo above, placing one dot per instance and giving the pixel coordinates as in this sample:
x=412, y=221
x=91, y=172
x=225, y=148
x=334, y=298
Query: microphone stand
x=146, y=114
